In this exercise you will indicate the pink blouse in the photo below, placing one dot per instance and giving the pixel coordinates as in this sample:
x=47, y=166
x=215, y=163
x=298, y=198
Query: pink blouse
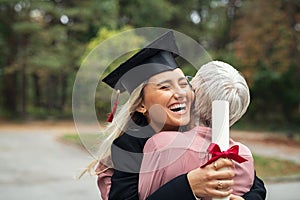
x=104, y=179
x=170, y=154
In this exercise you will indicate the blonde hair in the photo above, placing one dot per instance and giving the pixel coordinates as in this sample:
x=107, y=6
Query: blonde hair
x=115, y=129
x=217, y=80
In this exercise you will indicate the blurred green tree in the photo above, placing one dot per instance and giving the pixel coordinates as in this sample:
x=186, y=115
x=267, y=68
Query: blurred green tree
x=46, y=40
x=42, y=44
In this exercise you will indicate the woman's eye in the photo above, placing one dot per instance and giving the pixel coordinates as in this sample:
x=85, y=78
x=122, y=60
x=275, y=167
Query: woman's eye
x=183, y=84
x=164, y=87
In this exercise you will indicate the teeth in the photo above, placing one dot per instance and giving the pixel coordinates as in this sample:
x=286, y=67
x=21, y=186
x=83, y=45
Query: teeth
x=177, y=107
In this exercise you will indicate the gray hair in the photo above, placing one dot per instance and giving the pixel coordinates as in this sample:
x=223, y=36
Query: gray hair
x=217, y=80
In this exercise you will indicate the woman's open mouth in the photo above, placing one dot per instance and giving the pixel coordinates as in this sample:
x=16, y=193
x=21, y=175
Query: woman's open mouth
x=180, y=107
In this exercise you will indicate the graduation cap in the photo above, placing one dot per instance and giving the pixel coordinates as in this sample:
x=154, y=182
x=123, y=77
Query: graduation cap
x=153, y=59
x=158, y=56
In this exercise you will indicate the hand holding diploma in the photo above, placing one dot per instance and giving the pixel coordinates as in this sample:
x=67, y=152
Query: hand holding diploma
x=220, y=139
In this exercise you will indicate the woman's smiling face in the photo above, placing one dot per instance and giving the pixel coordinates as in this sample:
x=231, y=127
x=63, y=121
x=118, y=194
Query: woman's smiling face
x=167, y=99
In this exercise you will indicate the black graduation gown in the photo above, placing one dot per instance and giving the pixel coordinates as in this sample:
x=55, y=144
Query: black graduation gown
x=127, y=158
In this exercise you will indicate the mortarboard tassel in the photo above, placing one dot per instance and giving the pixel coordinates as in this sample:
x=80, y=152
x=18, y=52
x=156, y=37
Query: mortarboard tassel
x=111, y=114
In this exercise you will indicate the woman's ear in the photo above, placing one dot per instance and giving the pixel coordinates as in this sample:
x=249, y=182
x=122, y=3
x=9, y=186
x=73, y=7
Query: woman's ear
x=142, y=109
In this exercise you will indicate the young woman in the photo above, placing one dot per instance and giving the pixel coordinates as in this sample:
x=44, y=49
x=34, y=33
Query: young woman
x=160, y=100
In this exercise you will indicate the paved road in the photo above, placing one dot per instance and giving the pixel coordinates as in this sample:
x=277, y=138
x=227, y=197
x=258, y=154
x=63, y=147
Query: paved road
x=33, y=165
x=283, y=191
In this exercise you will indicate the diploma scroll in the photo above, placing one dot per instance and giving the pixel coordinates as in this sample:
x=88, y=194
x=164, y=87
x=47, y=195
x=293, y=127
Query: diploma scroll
x=220, y=127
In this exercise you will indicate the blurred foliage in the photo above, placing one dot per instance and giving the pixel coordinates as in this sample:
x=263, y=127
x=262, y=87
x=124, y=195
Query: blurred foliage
x=266, y=47
x=43, y=44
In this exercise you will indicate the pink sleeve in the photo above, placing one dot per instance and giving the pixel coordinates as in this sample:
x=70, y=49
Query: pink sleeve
x=244, y=172
x=150, y=172
x=104, y=180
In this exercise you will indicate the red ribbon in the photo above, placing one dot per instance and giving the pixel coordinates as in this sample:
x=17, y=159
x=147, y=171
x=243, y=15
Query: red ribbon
x=231, y=153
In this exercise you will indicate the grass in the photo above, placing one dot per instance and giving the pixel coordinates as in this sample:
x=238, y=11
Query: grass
x=265, y=167
x=71, y=139
x=74, y=139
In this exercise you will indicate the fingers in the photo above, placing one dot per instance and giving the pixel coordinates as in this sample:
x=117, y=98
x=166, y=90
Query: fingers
x=224, y=184
x=215, y=165
x=221, y=193
x=207, y=182
x=222, y=169
x=222, y=188
x=221, y=163
x=224, y=174
x=219, y=189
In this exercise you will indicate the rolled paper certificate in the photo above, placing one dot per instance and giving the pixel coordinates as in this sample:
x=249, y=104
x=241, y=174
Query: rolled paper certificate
x=220, y=127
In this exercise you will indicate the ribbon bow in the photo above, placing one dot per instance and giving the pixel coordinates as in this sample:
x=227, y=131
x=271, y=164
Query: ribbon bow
x=231, y=153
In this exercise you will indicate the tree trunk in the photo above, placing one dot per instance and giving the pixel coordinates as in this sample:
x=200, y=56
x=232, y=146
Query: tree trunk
x=9, y=92
x=64, y=85
x=24, y=77
x=36, y=90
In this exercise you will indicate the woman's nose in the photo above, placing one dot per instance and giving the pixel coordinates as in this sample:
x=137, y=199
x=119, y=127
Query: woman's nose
x=179, y=93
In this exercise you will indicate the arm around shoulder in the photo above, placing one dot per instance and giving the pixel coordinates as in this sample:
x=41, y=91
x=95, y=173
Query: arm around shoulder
x=257, y=191
x=176, y=189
